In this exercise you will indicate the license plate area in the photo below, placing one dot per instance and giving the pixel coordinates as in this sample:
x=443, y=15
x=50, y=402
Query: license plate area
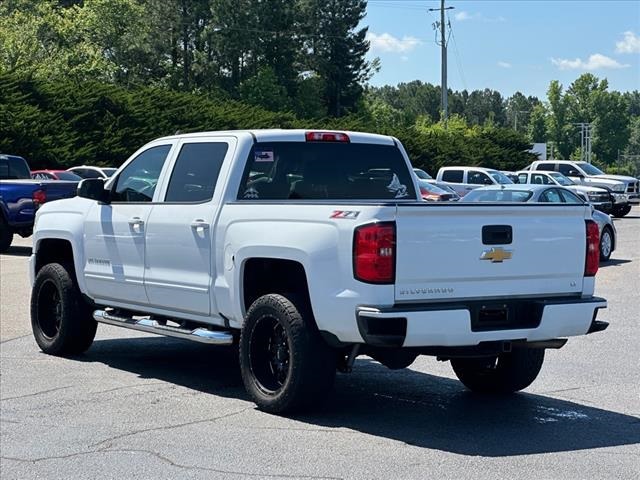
x=505, y=315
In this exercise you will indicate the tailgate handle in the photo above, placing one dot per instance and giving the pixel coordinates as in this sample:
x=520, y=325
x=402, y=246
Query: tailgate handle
x=497, y=234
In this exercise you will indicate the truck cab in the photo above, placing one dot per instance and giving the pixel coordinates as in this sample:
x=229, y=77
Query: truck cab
x=465, y=179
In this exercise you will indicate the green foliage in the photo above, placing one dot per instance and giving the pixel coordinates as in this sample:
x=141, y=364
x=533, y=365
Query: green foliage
x=60, y=124
x=264, y=90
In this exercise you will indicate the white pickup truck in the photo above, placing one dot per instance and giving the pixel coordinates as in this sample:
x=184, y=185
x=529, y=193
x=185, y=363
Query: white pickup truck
x=308, y=249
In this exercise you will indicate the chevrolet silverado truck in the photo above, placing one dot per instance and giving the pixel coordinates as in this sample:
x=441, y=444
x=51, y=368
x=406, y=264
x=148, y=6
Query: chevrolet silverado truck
x=306, y=249
x=624, y=190
x=20, y=197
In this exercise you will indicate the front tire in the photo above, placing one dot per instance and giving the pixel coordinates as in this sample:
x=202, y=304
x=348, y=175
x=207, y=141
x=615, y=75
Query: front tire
x=606, y=244
x=284, y=362
x=620, y=212
x=60, y=319
x=505, y=373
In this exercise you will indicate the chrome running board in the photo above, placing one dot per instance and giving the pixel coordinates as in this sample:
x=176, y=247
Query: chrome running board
x=202, y=335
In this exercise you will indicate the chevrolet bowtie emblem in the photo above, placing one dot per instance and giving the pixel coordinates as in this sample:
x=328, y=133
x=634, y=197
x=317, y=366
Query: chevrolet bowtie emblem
x=496, y=255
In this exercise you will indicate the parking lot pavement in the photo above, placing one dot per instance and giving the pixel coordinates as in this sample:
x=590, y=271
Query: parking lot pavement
x=139, y=406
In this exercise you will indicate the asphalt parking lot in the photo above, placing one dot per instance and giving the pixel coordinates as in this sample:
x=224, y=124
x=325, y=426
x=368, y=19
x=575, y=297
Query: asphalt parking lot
x=141, y=406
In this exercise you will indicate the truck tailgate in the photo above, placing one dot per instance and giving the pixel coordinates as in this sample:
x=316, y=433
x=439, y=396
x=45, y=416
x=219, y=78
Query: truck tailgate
x=479, y=251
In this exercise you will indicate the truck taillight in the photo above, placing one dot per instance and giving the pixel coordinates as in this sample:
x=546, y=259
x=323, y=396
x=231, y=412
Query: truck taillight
x=326, y=137
x=39, y=197
x=374, y=253
x=592, y=259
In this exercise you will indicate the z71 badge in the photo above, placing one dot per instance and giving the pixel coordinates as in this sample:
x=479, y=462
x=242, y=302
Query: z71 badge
x=347, y=214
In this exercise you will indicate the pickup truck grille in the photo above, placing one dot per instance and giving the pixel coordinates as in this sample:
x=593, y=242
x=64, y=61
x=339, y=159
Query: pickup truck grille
x=599, y=197
x=634, y=187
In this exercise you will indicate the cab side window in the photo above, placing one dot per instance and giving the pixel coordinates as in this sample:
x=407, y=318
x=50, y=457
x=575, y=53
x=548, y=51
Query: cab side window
x=548, y=167
x=539, y=179
x=551, y=196
x=452, y=176
x=568, y=170
x=478, y=178
x=138, y=181
x=196, y=171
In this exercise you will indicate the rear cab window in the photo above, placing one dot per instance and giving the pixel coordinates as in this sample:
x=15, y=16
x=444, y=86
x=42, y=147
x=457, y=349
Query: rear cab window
x=13, y=168
x=453, y=176
x=546, y=166
x=325, y=170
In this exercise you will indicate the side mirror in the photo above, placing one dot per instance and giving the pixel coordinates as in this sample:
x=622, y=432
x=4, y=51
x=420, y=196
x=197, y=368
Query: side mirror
x=93, y=189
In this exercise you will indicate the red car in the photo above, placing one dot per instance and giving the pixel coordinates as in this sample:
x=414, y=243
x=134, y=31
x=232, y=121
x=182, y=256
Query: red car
x=55, y=175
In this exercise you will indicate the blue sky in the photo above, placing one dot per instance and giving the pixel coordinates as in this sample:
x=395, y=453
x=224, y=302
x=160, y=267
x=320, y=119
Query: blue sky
x=508, y=45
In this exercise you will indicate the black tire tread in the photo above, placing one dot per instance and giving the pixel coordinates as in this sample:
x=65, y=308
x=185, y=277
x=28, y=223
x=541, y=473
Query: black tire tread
x=78, y=328
x=606, y=229
x=515, y=371
x=314, y=364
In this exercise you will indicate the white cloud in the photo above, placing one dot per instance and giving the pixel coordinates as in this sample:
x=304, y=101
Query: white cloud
x=629, y=44
x=386, y=42
x=596, y=61
x=504, y=64
x=463, y=15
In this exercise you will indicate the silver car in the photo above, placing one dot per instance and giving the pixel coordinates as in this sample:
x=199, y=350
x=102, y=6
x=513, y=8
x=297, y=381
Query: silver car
x=548, y=194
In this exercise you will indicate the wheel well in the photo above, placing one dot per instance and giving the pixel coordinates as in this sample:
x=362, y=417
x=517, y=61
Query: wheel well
x=53, y=250
x=270, y=275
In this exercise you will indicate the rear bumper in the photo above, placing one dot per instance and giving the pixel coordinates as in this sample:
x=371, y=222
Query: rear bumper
x=471, y=323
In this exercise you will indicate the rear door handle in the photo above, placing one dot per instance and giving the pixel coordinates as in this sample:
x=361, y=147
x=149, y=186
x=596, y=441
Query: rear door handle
x=199, y=224
x=136, y=222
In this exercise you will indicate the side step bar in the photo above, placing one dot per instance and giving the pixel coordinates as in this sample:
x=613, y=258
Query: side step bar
x=201, y=335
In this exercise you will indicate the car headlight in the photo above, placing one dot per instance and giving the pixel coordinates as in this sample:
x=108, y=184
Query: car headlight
x=619, y=188
x=620, y=197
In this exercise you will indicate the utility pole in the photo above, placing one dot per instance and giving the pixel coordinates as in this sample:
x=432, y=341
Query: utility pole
x=442, y=26
x=585, y=141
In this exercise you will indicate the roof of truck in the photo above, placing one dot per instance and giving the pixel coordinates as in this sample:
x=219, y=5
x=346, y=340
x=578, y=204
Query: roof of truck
x=291, y=135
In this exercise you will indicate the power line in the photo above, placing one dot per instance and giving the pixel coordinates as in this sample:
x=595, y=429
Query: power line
x=458, y=56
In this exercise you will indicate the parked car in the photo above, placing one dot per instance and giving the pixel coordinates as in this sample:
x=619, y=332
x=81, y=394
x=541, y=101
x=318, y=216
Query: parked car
x=86, y=171
x=21, y=196
x=549, y=194
x=312, y=272
x=55, y=175
x=422, y=175
x=626, y=190
x=433, y=193
x=465, y=179
x=600, y=198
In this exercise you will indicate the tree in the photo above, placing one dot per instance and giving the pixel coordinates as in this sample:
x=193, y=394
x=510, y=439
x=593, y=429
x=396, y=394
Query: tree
x=537, y=129
x=264, y=90
x=557, y=126
x=337, y=50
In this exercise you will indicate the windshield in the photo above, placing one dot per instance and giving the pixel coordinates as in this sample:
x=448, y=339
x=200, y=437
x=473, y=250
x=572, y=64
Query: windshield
x=500, y=177
x=481, y=195
x=109, y=171
x=589, y=169
x=421, y=174
x=561, y=179
x=70, y=176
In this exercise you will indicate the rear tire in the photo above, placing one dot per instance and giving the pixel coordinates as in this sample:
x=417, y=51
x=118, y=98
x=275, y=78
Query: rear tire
x=620, y=212
x=6, y=236
x=284, y=362
x=60, y=318
x=606, y=244
x=506, y=373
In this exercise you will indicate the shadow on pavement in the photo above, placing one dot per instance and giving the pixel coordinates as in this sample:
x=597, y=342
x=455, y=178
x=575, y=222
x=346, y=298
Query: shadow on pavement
x=18, y=251
x=613, y=262
x=412, y=407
